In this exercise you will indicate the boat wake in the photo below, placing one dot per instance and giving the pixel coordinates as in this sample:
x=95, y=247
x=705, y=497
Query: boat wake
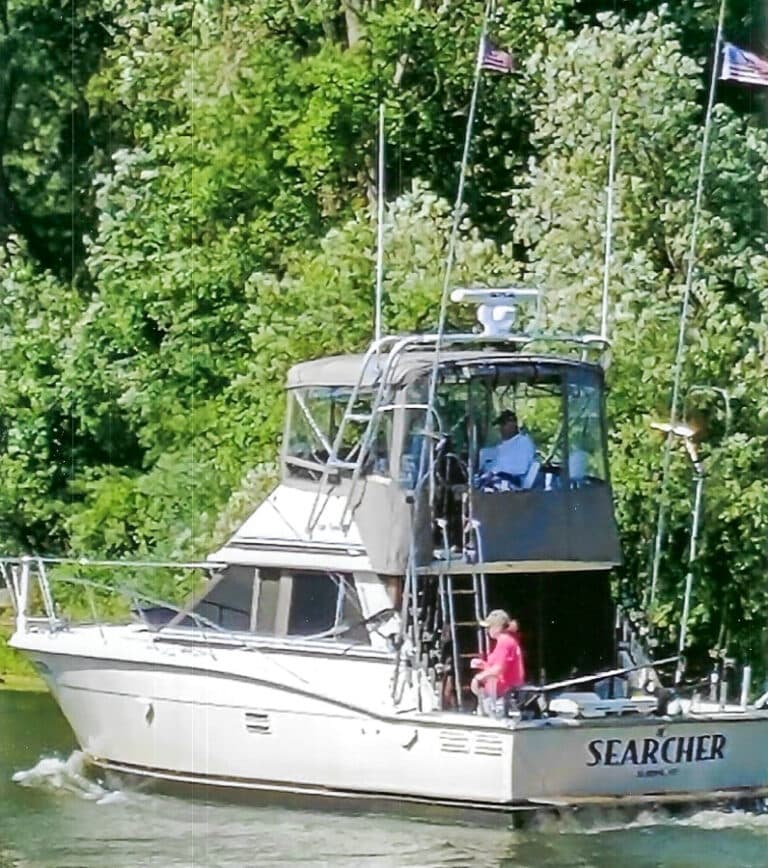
x=68, y=776
x=598, y=821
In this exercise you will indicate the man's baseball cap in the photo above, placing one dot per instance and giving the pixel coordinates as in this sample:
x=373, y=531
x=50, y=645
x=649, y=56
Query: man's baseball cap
x=505, y=416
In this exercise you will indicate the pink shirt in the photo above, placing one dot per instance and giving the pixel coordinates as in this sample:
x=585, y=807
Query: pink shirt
x=508, y=657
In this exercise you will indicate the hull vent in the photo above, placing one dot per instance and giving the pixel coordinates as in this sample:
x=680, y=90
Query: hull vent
x=257, y=722
x=488, y=745
x=454, y=742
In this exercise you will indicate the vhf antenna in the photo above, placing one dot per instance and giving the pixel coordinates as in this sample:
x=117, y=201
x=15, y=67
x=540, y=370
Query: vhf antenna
x=379, y=228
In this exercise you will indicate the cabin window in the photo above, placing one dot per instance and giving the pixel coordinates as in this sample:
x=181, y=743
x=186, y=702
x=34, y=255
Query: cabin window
x=382, y=445
x=466, y=405
x=560, y=409
x=309, y=426
x=539, y=408
x=325, y=605
x=586, y=449
x=311, y=604
x=411, y=453
x=448, y=433
x=228, y=603
x=314, y=418
x=313, y=607
x=275, y=602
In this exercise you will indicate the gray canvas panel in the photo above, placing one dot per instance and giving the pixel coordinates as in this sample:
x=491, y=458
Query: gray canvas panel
x=332, y=371
x=384, y=520
x=544, y=526
x=345, y=370
x=571, y=525
x=593, y=532
x=522, y=525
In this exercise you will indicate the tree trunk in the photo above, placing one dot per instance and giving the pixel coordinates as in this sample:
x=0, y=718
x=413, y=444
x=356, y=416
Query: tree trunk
x=352, y=10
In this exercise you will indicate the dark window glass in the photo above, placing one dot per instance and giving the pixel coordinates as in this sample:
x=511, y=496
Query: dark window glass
x=314, y=604
x=228, y=603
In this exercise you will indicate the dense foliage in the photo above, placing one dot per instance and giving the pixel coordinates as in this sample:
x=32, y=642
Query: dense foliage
x=185, y=210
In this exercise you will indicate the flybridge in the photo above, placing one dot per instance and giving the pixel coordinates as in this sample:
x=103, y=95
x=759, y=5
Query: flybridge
x=407, y=432
x=385, y=447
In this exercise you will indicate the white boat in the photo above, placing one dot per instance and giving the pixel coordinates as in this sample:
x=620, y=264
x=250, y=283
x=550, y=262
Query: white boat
x=329, y=649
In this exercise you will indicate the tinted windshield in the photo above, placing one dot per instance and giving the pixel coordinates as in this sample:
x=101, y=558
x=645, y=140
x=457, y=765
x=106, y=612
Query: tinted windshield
x=556, y=409
x=315, y=429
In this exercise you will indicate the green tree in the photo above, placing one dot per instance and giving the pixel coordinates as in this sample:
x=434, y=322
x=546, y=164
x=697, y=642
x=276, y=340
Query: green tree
x=638, y=70
x=185, y=194
x=48, y=51
x=37, y=451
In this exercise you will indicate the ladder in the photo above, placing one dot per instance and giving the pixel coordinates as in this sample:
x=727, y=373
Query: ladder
x=464, y=604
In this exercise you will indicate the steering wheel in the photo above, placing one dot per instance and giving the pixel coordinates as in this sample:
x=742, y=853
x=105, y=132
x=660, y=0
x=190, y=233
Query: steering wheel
x=444, y=459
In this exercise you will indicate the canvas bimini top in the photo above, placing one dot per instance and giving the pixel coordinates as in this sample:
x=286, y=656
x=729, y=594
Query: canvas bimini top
x=350, y=369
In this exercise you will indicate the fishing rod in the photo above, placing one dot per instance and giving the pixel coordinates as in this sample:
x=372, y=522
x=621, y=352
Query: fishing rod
x=609, y=673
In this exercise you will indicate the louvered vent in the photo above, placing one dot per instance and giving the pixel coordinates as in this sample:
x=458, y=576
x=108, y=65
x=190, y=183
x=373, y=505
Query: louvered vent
x=256, y=721
x=454, y=742
x=487, y=744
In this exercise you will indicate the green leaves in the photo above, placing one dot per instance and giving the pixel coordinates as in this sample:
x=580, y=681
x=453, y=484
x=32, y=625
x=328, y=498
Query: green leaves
x=214, y=166
x=35, y=427
x=638, y=69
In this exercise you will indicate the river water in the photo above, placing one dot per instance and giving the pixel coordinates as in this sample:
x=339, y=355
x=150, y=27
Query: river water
x=53, y=815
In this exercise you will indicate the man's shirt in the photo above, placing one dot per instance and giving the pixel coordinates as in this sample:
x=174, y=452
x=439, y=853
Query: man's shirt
x=514, y=456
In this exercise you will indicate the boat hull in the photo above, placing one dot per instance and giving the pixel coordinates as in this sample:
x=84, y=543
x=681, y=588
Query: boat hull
x=274, y=721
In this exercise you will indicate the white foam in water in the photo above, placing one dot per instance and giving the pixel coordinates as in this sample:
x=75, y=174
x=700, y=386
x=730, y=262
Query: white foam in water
x=66, y=776
x=597, y=821
x=733, y=819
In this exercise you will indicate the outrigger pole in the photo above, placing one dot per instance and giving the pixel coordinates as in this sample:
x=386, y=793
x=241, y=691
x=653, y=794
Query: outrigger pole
x=680, y=354
x=451, y=252
x=608, y=231
x=379, y=228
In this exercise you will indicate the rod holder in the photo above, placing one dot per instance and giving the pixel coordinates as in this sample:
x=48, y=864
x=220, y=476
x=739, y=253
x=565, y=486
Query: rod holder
x=746, y=684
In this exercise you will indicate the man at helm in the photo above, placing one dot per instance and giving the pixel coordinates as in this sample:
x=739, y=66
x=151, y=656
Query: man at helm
x=511, y=460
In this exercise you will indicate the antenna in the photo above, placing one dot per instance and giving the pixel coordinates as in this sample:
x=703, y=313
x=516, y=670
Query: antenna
x=496, y=308
x=608, y=231
x=690, y=272
x=379, y=227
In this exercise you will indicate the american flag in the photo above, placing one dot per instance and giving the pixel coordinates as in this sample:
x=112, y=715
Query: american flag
x=495, y=59
x=739, y=65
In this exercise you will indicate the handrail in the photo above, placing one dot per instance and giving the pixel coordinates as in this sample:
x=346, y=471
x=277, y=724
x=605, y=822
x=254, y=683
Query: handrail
x=202, y=623
x=29, y=569
x=396, y=346
x=9, y=579
x=372, y=352
x=135, y=595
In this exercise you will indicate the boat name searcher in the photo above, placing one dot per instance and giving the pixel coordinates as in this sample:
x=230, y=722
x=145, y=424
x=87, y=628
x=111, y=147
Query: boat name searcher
x=672, y=750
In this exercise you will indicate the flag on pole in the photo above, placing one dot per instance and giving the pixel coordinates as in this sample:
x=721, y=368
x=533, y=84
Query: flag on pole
x=494, y=59
x=743, y=66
